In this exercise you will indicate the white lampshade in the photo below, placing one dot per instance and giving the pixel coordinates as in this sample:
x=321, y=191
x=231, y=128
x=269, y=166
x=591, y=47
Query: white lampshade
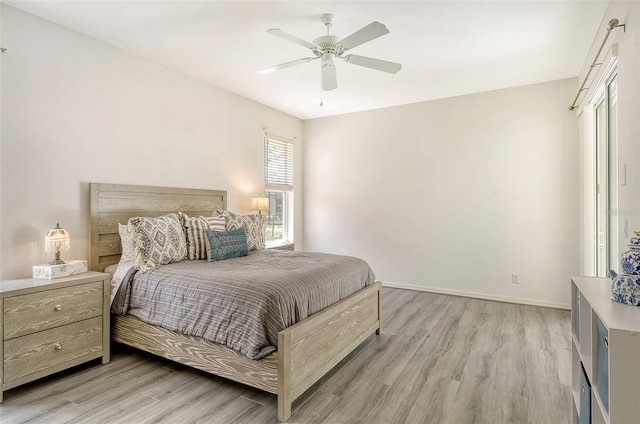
x=259, y=203
x=57, y=239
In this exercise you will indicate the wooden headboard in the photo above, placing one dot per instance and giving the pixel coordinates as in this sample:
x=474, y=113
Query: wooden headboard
x=112, y=204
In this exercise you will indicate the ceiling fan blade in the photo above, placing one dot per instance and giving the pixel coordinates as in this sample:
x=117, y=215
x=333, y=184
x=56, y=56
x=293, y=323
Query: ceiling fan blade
x=329, y=78
x=280, y=33
x=369, y=62
x=286, y=65
x=370, y=32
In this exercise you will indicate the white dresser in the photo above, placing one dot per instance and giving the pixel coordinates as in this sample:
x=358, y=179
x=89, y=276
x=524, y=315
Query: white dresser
x=605, y=355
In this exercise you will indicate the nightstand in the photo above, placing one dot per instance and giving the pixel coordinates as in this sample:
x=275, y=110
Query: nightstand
x=51, y=325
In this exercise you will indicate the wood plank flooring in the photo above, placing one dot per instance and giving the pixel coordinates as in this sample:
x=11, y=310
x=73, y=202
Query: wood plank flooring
x=441, y=359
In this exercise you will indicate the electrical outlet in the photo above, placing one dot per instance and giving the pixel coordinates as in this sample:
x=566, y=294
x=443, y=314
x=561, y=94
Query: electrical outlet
x=515, y=278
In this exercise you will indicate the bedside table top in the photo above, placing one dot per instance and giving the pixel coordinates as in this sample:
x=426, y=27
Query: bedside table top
x=27, y=285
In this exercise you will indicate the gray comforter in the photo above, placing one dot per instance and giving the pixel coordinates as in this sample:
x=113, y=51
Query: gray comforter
x=244, y=302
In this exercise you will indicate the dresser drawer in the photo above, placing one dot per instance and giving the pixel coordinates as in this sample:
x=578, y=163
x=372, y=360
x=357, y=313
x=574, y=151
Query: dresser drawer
x=36, y=352
x=26, y=314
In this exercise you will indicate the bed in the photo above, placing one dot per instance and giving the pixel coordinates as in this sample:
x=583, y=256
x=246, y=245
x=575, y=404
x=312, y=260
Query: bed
x=306, y=350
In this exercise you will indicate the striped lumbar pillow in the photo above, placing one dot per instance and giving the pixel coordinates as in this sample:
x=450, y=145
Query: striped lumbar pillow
x=197, y=242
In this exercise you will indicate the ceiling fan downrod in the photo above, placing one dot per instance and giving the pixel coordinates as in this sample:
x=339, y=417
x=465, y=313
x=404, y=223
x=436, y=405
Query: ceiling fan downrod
x=327, y=19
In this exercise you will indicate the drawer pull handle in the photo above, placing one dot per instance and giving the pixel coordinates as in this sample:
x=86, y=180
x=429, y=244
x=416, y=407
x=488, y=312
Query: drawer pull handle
x=606, y=342
x=58, y=346
x=58, y=307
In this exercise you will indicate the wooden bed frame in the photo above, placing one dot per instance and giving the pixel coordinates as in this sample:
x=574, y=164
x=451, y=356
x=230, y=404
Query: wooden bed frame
x=306, y=350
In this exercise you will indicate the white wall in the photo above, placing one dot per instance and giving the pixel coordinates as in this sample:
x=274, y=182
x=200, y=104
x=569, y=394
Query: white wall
x=1, y=60
x=628, y=69
x=454, y=194
x=76, y=110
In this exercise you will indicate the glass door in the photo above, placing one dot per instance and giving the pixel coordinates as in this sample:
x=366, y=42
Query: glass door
x=612, y=174
x=606, y=142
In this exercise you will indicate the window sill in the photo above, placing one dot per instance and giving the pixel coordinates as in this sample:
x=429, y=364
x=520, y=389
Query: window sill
x=281, y=245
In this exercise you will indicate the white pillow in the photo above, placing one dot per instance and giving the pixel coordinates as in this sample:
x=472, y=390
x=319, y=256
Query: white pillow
x=128, y=259
x=128, y=244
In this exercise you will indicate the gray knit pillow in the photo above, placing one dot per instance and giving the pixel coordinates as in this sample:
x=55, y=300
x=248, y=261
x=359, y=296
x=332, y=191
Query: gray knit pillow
x=227, y=244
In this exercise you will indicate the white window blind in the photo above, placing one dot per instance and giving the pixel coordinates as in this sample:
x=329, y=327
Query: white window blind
x=278, y=163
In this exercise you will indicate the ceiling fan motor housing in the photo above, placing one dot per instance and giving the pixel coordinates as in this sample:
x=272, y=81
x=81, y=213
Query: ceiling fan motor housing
x=328, y=44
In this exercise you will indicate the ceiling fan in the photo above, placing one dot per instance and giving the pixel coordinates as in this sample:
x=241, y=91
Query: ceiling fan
x=329, y=47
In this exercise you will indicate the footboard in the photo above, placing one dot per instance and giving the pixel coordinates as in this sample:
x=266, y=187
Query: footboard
x=309, y=349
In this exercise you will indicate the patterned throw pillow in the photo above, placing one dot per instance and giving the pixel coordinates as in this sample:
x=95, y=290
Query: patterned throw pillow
x=197, y=242
x=227, y=244
x=253, y=224
x=161, y=240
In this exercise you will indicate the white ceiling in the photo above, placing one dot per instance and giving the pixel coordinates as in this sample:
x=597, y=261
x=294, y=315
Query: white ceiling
x=447, y=48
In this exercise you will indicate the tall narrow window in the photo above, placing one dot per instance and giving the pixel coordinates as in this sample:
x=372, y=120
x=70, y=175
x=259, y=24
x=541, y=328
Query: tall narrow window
x=278, y=176
x=606, y=143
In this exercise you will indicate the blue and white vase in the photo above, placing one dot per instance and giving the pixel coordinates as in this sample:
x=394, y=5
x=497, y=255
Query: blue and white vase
x=625, y=288
x=630, y=261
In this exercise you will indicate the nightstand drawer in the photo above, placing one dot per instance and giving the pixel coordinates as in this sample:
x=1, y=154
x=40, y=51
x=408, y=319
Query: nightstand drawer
x=36, y=352
x=29, y=313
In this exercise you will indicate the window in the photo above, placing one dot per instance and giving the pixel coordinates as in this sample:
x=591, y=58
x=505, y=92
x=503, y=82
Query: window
x=278, y=178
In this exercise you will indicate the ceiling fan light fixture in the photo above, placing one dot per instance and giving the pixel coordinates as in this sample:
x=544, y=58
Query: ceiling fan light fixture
x=327, y=59
x=328, y=72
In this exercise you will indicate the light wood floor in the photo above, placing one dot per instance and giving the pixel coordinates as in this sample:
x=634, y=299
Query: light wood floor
x=441, y=359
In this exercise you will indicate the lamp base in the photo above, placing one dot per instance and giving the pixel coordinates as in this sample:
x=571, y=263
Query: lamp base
x=49, y=272
x=56, y=259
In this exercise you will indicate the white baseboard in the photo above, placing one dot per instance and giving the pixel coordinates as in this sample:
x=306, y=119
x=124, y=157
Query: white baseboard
x=474, y=295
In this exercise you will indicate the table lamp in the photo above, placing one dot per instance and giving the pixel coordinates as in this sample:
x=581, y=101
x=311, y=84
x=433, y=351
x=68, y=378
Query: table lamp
x=56, y=240
x=260, y=204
